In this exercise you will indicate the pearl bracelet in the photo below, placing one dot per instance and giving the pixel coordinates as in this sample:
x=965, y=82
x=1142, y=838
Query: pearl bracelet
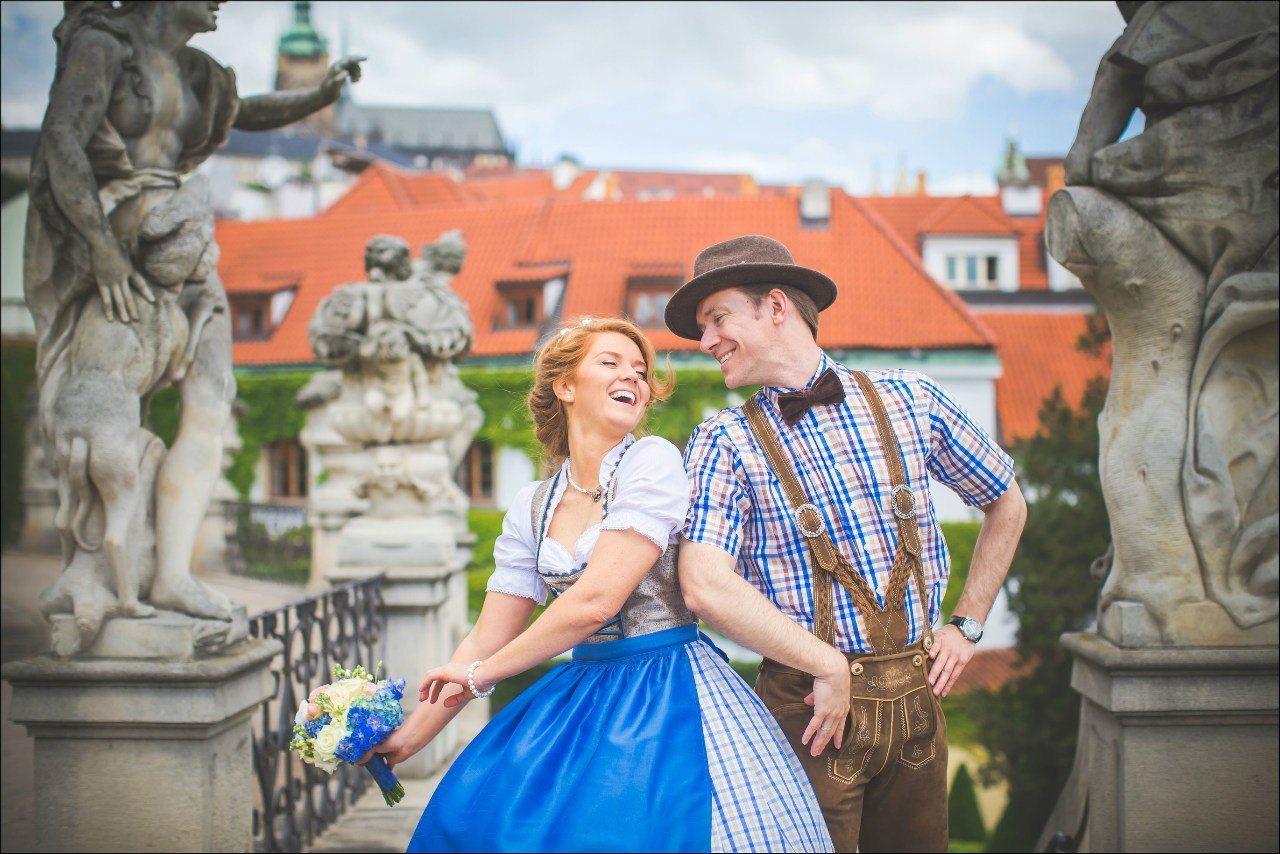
x=471, y=680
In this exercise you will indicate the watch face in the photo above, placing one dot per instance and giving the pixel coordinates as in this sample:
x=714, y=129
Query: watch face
x=970, y=628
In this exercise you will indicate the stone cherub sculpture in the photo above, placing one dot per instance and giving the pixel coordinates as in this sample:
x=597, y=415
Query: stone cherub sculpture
x=393, y=340
x=1174, y=232
x=120, y=276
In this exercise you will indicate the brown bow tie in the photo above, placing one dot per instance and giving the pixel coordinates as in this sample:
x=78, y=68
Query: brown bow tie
x=827, y=389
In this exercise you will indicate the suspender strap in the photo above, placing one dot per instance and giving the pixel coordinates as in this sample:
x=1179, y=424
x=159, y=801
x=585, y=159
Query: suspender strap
x=827, y=561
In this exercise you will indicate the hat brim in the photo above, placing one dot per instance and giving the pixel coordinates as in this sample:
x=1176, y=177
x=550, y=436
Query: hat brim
x=681, y=315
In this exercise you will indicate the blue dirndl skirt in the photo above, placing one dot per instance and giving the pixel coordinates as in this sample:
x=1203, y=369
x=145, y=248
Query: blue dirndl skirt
x=649, y=743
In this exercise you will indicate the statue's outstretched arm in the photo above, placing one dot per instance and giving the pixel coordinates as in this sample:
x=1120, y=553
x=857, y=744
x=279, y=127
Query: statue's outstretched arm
x=1117, y=92
x=77, y=107
x=277, y=109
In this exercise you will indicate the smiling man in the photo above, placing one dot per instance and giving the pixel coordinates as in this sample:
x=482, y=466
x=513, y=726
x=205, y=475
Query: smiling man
x=811, y=501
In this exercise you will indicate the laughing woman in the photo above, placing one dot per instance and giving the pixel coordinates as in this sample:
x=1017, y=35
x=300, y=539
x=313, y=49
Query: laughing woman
x=646, y=740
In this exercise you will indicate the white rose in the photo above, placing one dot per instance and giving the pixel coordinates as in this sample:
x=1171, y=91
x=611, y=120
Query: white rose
x=338, y=695
x=326, y=765
x=353, y=686
x=328, y=739
x=301, y=716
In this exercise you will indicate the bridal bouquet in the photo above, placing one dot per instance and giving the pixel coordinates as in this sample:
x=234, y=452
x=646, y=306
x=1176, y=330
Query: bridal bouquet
x=338, y=722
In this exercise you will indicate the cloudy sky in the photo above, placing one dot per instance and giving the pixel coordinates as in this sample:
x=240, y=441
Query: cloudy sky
x=785, y=91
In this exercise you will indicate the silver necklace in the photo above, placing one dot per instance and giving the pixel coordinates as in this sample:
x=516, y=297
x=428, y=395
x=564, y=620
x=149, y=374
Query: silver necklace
x=595, y=494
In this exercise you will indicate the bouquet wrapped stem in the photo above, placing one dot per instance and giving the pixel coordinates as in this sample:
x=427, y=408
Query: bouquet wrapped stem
x=392, y=789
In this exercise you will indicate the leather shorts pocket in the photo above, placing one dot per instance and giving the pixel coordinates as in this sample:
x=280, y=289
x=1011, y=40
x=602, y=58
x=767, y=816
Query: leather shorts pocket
x=919, y=712
x=864, y=732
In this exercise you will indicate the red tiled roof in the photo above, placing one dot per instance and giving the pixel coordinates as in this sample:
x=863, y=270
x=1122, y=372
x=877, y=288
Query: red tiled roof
x=1038, y=352
x=886, y=299
x=990, y=670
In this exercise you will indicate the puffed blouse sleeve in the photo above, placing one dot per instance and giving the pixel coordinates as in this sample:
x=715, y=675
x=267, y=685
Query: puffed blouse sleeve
x=652, y=494
x=515, y=556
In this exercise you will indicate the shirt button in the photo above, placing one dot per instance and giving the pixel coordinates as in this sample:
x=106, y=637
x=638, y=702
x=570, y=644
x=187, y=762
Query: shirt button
x=856, y=668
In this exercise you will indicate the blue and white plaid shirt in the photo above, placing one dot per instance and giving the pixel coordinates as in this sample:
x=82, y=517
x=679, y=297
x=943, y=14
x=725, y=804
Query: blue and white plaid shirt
x=739, y=506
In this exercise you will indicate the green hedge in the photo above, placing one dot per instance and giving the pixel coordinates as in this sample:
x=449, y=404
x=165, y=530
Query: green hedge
x=17, y=374
x=962, y=808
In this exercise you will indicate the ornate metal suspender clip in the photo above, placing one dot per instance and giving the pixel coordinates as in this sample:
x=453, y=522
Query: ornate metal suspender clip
x=816, y=529
x=910, y=512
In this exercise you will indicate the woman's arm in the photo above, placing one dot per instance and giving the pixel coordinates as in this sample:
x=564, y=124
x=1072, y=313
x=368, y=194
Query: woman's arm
x=502, y=618
x=619, y=562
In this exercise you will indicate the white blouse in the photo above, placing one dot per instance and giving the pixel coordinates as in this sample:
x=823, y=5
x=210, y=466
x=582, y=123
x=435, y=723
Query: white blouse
x=652, y=498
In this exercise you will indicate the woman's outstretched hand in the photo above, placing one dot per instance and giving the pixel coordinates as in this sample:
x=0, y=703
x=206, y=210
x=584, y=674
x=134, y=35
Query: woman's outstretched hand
x=456, y=674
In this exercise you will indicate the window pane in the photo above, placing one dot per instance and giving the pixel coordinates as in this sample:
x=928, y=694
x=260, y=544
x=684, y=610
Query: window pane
x=971, y=269
x=643, y=309
x=951, y=269
x=993, y=268
x=512, y=316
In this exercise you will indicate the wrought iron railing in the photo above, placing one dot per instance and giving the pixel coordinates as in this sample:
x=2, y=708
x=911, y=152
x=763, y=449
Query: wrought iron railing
x=271, y=541
x=295, y=802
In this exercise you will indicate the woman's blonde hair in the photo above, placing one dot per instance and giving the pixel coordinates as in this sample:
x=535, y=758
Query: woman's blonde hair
x=558, y=359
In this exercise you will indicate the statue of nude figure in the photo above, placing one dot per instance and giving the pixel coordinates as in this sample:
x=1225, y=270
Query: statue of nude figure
x=133, y=108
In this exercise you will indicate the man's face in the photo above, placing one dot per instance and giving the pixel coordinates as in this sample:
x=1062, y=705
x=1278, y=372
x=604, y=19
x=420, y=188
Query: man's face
x=199, y=16
x=736, y=334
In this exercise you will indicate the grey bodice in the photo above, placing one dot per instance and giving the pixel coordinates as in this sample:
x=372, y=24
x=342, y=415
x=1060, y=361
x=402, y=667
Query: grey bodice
x=654, y=605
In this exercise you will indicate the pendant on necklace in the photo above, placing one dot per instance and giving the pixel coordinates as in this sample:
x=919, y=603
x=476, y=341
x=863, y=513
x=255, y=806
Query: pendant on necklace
x=597, y=494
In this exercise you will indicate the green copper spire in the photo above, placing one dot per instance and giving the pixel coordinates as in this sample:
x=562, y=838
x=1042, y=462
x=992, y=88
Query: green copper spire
x=1013, y=167
x=301, y=39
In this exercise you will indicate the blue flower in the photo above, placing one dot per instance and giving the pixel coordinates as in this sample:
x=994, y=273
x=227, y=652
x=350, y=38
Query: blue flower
x=314, y=726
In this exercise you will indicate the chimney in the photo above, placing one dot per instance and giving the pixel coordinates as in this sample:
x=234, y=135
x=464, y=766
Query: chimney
x=1055, y=178
x=565, y=171
x=815, y=205
x=920, y=184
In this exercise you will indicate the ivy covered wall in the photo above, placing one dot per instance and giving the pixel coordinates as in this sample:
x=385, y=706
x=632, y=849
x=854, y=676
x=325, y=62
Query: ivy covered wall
x=270, y=414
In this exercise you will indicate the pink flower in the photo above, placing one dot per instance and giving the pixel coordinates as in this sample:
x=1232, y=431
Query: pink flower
x=370, y=689
x=311, y=698
x=313, y=711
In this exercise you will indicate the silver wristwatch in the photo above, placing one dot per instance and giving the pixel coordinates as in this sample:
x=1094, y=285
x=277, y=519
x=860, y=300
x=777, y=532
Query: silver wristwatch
x=968, y=626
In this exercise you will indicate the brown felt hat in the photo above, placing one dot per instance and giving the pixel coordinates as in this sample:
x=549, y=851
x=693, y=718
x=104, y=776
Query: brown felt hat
x=752, y=259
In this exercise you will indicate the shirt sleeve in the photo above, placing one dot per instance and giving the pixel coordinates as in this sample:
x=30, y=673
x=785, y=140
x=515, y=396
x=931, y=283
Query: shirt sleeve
x=961, y=454
x=515, y=556
x=652, y=493
x=720, y=503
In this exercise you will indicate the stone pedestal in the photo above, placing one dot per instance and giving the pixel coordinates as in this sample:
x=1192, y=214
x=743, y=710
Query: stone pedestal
x=1177, y=749
x=426, y=610
x=142, y=755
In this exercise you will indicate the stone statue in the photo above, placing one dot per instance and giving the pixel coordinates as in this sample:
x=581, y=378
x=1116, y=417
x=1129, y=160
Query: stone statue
x=1174, y=232
x=392, y=420
x=120, y=275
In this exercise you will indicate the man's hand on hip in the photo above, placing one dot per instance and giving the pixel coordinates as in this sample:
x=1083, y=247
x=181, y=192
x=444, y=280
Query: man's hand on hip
x=830, y=701
x=950, y=653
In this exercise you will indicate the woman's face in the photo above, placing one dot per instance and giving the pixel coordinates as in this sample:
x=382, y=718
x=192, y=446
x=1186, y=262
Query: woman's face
x=610, y=387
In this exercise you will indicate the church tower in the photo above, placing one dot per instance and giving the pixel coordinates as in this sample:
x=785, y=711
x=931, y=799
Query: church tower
x=302, y=59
